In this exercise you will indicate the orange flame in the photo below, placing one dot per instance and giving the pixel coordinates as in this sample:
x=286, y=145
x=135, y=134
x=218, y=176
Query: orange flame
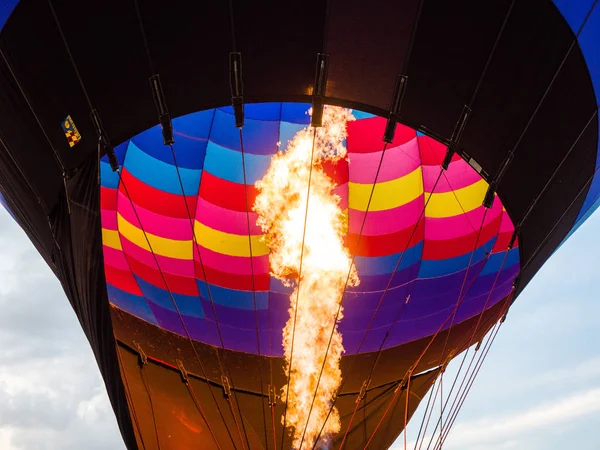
x=326, y=264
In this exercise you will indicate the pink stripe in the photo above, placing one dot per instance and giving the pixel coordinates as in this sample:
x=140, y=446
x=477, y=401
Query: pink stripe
x=342, y=191
x=387, y=221
x=506, y=226
x=397, y=162
x=163, y=226
x=181, y=267
x=458, y=176
x=233, y=264
x=226, y=220
x=456, y=226
x=114, y=258
x=108, y=219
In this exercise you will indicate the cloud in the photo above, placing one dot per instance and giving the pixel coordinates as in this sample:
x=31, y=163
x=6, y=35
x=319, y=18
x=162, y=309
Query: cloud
x=51, y=392
x=503, y=431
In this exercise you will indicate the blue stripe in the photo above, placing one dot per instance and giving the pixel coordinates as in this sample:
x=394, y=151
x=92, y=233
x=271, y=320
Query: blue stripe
x=495, y=261
x=108, y=178
x=287, y=132
x=189, y=152
x=186, y=304
x=574, y=11
x=227, y=164
x=432, y=268
x=133, y=304
x=295, y=113
x=159, y=174
x=368, y=266
x=589, y=40
x=6, y=9
x=234, y=298
x=260, y=137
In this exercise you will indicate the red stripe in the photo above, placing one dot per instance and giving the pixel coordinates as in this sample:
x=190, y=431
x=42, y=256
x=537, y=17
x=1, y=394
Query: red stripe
x=438, y=249
x=386, y=244
x=502, y=242
x=365, y=135
x=121, y=279
x=226, y=194
x=337, y=171
x=433, y=152
x=155, y=200
x=234, y=281
x=108, y=198
x=176, y=283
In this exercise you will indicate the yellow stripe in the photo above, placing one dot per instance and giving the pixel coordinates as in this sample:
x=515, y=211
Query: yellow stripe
x=160, y=245
x=454, y=203
x=110, y=238
x=228, y=244
x=387, y=195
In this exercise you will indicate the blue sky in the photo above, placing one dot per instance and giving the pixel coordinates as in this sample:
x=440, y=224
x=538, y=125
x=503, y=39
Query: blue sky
x=539, y=387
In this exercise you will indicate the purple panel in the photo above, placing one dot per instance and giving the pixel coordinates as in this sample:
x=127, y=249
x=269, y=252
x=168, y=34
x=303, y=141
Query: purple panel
x=169, y=320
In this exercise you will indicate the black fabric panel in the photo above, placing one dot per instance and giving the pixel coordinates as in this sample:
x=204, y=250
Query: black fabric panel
x=453, y=42
x=189, y=44
x=279, y=42
x=368, y=47
x=80, y=268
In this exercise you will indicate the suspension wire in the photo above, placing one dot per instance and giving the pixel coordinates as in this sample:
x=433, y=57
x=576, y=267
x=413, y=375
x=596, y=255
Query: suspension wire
x=492, y=52
x=471, y=340
x=155, y=258
x=425, y=412
x=543, y=189
x=145, y=382
x=489, y=341
x=539, y=247
x=479, y=361
x=129, y=197
x=195, y=244
x=201, y=411
x=138, y=13
x=435, y=185
x=460, y=296
x=325, y=40
x=504, y=165
x=428, y=416
x=260, y=364
x=469, y=343
x=489, y=344
x=241, y=133
x=413, y=36
x=287, y=396
x=354, y=253
x=388, y=284
x=128, y=392
x=55, y=153
x=564, y=159
x=391, y=278
x=441, y=402
x=383, y=296
x=271, y=383
x=413, y=367
x=406, y=408
x=485, y=69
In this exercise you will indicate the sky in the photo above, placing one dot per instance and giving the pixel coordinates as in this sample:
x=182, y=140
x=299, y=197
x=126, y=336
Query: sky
x=538, y=389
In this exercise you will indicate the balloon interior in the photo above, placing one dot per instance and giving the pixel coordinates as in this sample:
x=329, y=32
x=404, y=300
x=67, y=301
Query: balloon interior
x=288, y=256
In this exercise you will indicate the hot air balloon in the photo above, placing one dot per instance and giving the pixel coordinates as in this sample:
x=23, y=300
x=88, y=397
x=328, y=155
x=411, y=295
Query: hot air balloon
x=137, y=137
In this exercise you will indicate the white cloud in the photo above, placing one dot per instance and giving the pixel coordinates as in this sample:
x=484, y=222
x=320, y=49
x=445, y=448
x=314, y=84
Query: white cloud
x=504, y=431
x=51, y=393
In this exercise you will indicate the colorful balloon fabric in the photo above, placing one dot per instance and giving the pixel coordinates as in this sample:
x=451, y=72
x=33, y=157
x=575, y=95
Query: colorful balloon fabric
x=427, y=243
